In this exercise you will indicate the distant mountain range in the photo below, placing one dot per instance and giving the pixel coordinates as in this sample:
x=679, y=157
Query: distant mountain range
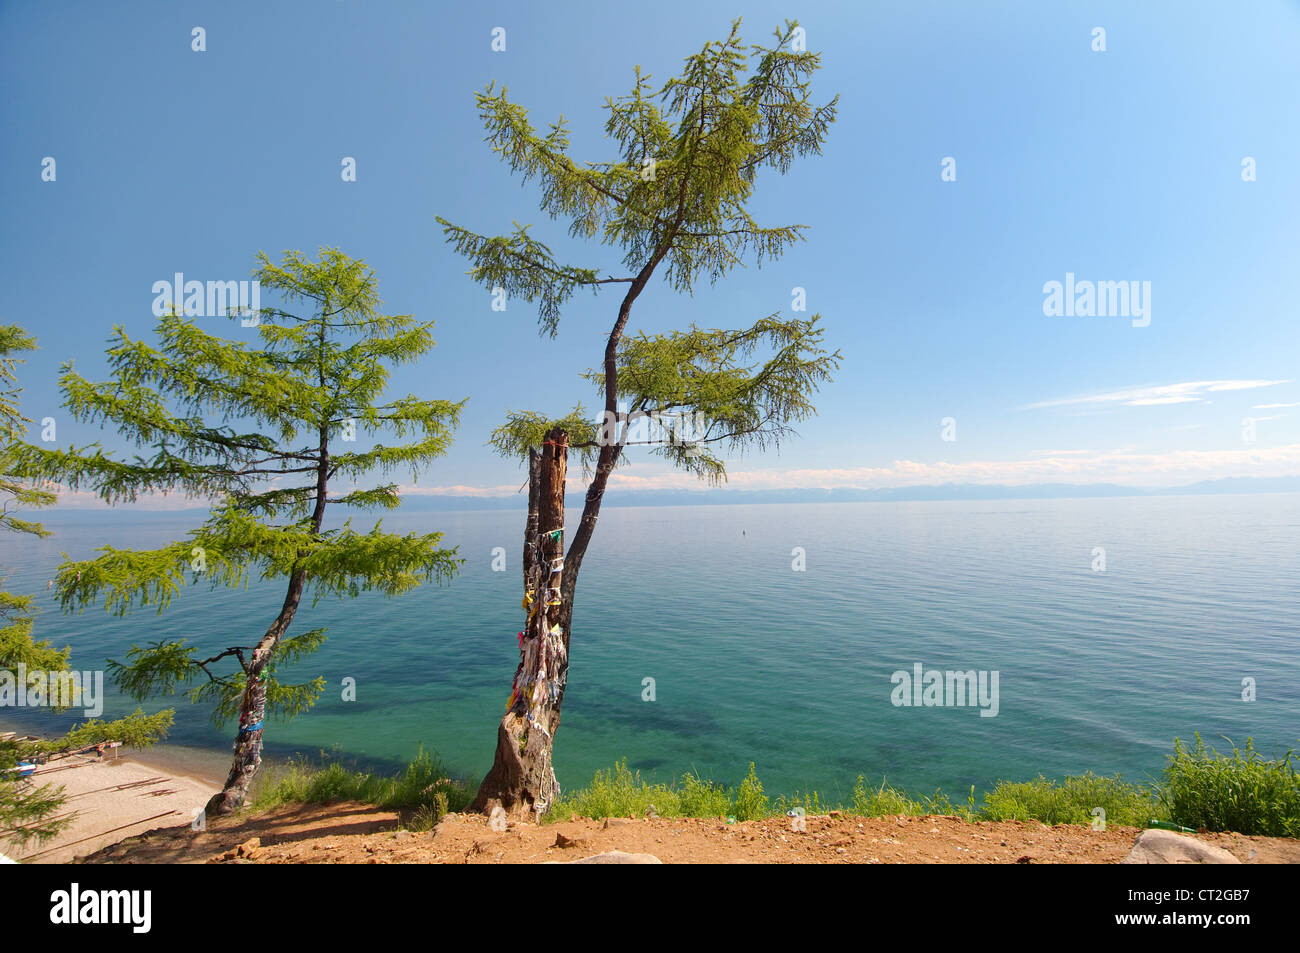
x=945, y=491
x=420, y=503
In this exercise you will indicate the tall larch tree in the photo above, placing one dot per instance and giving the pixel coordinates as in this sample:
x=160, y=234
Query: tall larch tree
x=674, y=201
x=268, y=434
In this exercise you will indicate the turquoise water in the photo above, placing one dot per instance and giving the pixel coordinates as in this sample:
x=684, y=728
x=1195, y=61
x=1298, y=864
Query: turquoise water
x=753, y=661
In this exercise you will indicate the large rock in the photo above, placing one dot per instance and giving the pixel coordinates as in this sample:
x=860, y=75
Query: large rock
x=1166, y=847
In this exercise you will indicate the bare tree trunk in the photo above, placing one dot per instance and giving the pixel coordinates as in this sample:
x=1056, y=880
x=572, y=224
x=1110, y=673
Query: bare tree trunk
x=252, y=708
x=522, y=779
x=248, y=750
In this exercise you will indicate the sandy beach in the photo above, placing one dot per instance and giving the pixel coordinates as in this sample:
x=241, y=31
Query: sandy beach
x=110, y=798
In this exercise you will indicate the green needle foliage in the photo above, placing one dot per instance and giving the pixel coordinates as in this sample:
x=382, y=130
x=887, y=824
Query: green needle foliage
x=15, y=493
x=268, y=432
x=711, y=377
x=30, y=811
x=674, y=202
x=17, y=646
x=25, y=811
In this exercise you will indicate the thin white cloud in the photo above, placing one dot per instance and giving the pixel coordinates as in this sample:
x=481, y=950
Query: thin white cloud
x=1273, y=406
x=1158, y=401
x=1126, y=466
x=1187, y=392
x=504, y=489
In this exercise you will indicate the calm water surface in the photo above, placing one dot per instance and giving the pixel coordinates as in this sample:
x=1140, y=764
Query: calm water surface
x=753, y=661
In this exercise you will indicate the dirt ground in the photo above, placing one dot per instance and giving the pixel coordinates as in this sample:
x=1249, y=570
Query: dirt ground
x=357, y=833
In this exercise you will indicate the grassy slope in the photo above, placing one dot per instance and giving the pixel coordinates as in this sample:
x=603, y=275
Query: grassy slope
x=1201, y=789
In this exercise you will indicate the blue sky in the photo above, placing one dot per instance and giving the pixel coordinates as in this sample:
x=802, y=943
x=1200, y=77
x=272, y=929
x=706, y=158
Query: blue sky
x=1122, y=165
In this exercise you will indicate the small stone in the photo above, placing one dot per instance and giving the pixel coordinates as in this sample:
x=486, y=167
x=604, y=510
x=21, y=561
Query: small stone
x=618, y=857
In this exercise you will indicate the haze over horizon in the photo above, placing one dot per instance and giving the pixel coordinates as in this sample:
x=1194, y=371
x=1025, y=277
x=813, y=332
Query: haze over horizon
x=444, y=498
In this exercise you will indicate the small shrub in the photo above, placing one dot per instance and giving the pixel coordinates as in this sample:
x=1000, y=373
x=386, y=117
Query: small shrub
x=1071, y=801
x=886, y=800
x=699, y=798
x=618, y=792
x=1243, y=793
x=751, y=803
x=810, y=803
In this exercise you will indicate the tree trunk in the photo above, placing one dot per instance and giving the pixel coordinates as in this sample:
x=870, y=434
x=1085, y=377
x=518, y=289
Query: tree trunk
x=248, y=750
x=252, y=707
x=522, y=779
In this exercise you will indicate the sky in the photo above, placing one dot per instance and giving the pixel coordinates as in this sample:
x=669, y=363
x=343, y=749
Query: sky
x=1130, y=163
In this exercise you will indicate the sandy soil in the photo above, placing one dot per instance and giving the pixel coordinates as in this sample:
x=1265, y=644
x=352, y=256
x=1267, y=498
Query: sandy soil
x=113, y=798
x=358, y=833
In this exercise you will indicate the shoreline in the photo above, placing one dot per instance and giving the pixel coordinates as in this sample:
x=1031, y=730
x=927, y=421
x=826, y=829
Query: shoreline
x=204, y=765
x=120, y=795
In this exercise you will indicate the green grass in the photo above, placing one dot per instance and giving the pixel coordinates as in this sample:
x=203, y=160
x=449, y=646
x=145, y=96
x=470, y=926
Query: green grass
x=1243, y=792
x=422, y=792
x=621, y=792
x=878, y=802
x=1072, y=801
x=1201, y=789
